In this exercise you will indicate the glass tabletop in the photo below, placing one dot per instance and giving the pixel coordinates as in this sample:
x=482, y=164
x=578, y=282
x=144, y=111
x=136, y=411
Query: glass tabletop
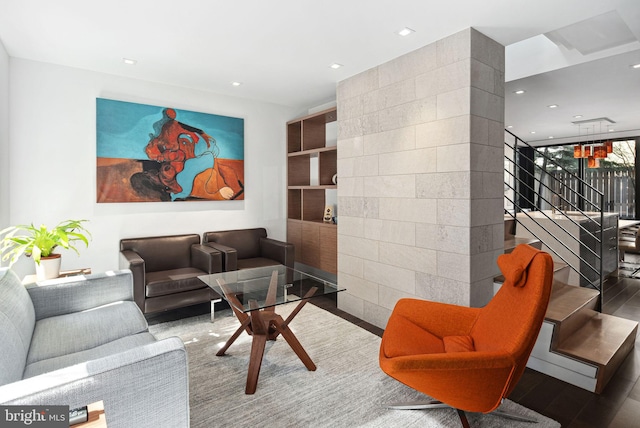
x=263, y=287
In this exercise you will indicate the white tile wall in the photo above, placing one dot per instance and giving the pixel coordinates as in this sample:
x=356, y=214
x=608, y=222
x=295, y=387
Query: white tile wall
x=420, y=159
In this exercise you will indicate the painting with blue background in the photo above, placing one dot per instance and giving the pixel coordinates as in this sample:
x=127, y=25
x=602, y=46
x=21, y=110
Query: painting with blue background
x=167, y=154
x=123, y=129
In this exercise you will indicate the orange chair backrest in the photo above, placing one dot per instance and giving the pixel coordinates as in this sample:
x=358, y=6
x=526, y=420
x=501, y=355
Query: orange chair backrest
x=512, y=320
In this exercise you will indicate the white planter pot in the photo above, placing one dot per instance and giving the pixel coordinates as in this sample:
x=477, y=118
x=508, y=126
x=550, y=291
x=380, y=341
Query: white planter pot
x=49, y=267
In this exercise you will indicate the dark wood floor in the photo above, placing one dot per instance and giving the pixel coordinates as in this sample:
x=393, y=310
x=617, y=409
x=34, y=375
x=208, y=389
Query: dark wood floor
x=619, y=404
x=617, y=407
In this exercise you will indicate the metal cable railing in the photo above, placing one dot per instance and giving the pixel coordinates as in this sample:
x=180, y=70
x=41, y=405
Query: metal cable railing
x=581, y=248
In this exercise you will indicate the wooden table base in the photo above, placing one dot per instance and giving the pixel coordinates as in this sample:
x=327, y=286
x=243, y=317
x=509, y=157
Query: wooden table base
x=263, y=325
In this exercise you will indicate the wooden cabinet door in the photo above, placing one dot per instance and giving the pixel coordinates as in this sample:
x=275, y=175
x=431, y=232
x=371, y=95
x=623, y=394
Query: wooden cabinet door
x=310, y=244
x=328, y=249
x=294, y=236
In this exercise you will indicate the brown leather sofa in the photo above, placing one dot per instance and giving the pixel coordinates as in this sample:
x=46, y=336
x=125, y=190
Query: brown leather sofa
x=249, y=248
x=166, y=268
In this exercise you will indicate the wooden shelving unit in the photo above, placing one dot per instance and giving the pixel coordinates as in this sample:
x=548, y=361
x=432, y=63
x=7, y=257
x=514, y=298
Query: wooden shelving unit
x=315, y=240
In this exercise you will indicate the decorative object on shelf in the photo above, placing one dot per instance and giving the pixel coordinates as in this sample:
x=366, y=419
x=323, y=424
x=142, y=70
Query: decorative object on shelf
x=161, y=154
x=40, y=242
x=334, y=179
x=328, y=214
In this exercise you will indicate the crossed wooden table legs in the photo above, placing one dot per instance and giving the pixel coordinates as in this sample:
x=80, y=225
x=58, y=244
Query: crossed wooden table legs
x=262, y=325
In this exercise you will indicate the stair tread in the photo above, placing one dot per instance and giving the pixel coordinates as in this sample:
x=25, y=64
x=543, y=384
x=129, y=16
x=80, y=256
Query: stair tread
x=566, y=300
x=598, y=340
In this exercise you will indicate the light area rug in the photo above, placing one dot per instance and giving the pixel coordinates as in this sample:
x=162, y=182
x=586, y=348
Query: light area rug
x=348, y=389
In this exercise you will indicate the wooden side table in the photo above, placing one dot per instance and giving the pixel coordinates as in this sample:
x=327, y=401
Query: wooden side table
x=96, y=417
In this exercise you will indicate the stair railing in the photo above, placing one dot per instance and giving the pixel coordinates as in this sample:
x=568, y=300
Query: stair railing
x=589, y=222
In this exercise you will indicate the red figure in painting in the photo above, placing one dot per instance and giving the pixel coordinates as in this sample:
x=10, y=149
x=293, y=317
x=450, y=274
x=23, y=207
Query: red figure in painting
x=172, y=146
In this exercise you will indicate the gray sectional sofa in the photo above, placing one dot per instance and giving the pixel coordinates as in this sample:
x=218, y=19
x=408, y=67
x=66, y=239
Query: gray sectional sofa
x=78, y=340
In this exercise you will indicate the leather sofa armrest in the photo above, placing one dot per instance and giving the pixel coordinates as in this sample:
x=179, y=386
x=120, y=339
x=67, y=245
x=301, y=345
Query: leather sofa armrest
x=206, y=258
x=229, y=256
x=131, y=260
x=282, y=252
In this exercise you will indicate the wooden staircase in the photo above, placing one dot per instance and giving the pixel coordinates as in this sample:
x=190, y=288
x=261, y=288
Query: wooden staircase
x=578, y=344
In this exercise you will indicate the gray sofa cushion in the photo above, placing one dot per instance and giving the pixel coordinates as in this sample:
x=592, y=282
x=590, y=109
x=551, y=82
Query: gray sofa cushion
x=17, y=320
x=111, y=348
x=79, y=331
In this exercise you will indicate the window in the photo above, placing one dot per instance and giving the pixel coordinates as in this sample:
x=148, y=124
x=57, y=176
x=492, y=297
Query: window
x=557, y=171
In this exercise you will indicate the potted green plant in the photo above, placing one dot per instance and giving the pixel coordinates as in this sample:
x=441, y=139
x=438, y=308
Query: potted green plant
x=40, y=242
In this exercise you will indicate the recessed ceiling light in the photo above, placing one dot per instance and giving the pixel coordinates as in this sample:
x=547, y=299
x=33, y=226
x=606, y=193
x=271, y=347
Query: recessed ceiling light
x=129, y=61
x=553, y=106
x=550, y=137
x=335, y=65
x=236, y=83
x=577, y=116
x=636, y=65
x=510, y=126
x=533, y=132
x=611, y=130
x=405, y=32
x=519, y=92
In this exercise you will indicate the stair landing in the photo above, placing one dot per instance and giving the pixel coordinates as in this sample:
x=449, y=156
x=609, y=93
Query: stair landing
x=579, y=345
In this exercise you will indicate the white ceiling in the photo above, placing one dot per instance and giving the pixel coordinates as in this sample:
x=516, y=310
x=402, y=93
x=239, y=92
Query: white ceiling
x=281, y=49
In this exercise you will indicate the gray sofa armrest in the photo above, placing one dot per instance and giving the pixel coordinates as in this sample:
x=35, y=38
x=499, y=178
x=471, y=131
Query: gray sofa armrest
x=146, y=386
x=206, y=258
x=279, y=251
x=229, y=256
x=131, y=260
x=78, y=293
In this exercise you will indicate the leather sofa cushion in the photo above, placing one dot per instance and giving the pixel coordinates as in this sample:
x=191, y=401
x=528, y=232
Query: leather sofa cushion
x=256, y=262
x=173, y=281
x=245, y=241
x=162, y=252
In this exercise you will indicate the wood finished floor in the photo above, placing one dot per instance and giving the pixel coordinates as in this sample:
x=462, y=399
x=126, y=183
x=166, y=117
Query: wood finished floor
x=617, y=407
x=619, y=404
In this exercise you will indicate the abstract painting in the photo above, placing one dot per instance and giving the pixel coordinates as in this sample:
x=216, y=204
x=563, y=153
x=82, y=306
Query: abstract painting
x=149, y=153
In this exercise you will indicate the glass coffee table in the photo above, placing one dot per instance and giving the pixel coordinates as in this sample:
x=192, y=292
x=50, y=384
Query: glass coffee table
x=253, y=295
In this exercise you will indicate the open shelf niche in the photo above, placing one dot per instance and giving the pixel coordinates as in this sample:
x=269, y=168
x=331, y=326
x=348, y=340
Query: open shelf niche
x=311, y=166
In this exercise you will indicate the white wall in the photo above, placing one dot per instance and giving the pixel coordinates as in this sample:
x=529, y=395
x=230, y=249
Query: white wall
x=53, y=161
x=4, y=137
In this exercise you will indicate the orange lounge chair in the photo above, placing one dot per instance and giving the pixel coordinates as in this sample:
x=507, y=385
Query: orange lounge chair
x=470, y=358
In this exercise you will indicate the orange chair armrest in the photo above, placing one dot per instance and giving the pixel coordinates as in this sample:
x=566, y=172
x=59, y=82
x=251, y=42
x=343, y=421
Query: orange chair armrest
x=471, y=381
x=452, y=361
